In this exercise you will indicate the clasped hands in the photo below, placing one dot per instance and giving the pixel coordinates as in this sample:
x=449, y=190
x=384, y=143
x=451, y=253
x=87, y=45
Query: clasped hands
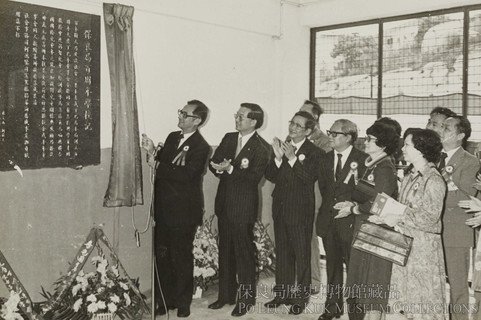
x=283, y=148
x=223, y=166
x=344, y=208
x=472, y=205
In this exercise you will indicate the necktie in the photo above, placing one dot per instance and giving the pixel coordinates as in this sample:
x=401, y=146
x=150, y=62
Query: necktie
x=338, y=167
x=442, y=162
x=239, y=146
x=181, y=137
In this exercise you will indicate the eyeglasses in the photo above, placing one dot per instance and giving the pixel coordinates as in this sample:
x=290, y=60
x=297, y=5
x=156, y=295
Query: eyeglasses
x=334, y=133
x=240, y=117
x=184, y=114
x=296, y=126
x=369, y=138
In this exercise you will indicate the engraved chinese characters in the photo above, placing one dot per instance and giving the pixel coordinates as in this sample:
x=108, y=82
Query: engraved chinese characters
x=49, y=92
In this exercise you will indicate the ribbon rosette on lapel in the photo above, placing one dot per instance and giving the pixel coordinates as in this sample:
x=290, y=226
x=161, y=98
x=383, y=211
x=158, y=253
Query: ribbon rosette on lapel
x=179, y=159
x=449, y=179
x=301, y=157
x=352, y=172
x=244, y=163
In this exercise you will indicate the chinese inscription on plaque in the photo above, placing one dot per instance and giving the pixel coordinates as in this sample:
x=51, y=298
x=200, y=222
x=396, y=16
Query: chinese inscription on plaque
x=49, y=87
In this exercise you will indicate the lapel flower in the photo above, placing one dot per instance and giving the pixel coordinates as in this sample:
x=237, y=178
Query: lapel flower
x=301, y=157
x=186, y=148
x=244, y=163
x=449, y=169
x=370, y=178
x=353, y=165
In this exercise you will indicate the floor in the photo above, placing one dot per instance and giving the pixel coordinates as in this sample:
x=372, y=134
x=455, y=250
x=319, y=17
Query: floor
x=199, y=308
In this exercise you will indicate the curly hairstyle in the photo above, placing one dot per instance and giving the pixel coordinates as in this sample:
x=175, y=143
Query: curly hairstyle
x=427, y=142
x=386, y=136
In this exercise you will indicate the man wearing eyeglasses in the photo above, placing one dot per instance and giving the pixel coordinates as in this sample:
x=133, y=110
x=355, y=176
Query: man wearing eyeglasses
x=340, y=168
x=294, y=170
x=179, y=205
x=320, y=140
x=239, y=162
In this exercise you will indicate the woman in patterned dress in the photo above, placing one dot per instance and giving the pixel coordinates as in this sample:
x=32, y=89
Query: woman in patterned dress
x=418, y=289
x=369, y=273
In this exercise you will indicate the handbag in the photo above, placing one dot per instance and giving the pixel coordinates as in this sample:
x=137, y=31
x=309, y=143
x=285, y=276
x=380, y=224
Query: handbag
x=383, y=243
x=363, y=191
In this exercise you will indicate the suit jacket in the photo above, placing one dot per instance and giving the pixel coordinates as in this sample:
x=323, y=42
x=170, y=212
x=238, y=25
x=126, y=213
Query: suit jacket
x=179, y=199
x=320, y=139
x=465, y=166
x=337, y=191
x=293, y=195
x=237, y=196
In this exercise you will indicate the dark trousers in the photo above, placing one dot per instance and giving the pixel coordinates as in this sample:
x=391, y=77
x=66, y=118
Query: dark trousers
x=236, y=262
x=337, y=244
x=293, y=257
x=175, y=264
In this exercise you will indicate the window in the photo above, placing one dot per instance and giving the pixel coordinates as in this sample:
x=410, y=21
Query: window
x=401, y=67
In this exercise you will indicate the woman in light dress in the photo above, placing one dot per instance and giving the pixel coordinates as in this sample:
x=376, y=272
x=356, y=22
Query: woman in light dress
x=418, y=290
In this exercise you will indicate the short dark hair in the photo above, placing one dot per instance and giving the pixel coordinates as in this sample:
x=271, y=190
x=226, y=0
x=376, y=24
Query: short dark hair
x=310, y=120
x=448, y=113
x=386, y=136
x=256, y=113
x=316, y=108
x=427, y=142
x=200, y=110
x=463, y=126
x=391, y=122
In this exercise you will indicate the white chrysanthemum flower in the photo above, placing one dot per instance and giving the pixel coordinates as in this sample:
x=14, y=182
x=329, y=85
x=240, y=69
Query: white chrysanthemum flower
x=112, y=307
x=77, y=304
x=101, y=305
x=115, y=270
x=124, y=286
x=115, y=298
x=88, y=245
x=92, y=298
x=92, y=308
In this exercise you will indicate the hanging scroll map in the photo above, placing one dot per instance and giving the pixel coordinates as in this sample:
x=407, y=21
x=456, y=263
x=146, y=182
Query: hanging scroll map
x=49, y=87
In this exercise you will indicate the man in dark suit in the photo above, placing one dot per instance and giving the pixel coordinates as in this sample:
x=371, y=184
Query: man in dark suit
x=179, y=206
x=239, y=162
x=459, y=169
x=320, y=140
x=337, y=180
x=294, y=170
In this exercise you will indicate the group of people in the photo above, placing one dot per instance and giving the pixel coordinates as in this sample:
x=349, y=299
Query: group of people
x=435, y=188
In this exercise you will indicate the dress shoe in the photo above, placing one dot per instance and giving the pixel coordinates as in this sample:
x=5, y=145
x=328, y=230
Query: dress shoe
x=160, y=311
x=183, y=312
x=241, y=309
x=275, y=303
x=218, y=304
x=297, y=308
x=329, y=316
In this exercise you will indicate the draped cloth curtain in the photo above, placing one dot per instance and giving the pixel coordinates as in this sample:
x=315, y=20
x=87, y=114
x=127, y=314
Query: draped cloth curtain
x=125, y=182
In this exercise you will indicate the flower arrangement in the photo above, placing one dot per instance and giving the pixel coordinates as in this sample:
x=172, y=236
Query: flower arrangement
x=100, y=291
x=265, y=255
x=9, y=308
x=206, y=255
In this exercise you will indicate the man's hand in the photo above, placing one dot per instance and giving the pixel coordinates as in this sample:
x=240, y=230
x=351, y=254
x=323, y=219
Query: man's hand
x=344, y=212
x=289, y=150
x=475, y=221
x=477, y=184
x=223, y=166
x=343, y=204
x=276, y=145
x=375, y=219
x=473, y=205
x=147, y=144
